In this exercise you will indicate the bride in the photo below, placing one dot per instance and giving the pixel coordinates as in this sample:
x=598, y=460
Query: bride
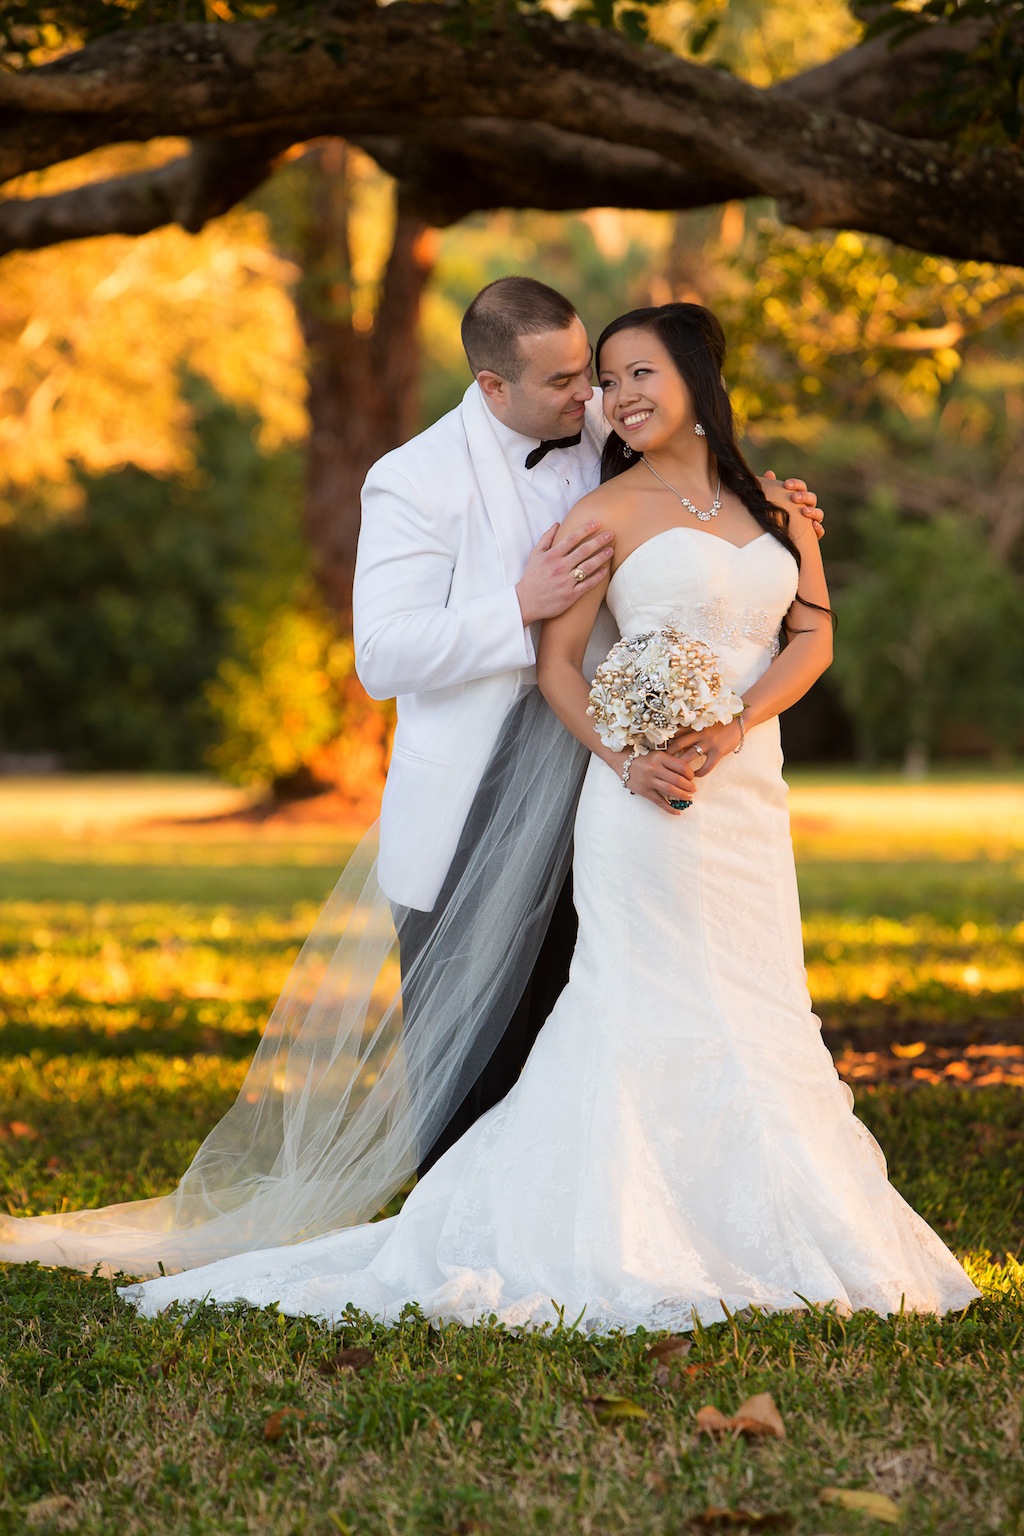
x=679, y=1142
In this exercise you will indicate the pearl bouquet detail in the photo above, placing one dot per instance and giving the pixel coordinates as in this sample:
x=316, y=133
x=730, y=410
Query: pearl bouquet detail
x=652, y=686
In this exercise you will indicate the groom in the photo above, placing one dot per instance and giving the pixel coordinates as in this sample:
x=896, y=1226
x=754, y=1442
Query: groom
x=460, y=557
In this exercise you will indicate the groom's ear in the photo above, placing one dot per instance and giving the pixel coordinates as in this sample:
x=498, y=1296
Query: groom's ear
x=493, y=385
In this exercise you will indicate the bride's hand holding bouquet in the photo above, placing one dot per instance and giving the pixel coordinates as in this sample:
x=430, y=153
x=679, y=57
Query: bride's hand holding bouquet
x=662, y=778
x=709, y=746
x=663, y=698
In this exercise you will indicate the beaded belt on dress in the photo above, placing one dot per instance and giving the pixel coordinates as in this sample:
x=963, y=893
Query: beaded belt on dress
x=718, y=624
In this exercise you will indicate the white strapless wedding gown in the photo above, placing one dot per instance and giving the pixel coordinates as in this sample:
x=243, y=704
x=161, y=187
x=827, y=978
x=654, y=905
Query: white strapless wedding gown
x=679, y=1139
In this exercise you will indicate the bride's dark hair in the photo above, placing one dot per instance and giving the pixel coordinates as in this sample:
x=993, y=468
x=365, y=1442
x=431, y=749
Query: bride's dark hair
x=695, y=341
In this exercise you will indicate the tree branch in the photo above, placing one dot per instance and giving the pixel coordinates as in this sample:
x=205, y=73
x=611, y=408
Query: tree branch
x=459, y=119
x=883, y=84
x=466, y=165
x=458, y=169
x=188, y=191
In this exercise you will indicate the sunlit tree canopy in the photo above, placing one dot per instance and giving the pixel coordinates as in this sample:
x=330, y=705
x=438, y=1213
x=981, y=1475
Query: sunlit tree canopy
x=96, y=338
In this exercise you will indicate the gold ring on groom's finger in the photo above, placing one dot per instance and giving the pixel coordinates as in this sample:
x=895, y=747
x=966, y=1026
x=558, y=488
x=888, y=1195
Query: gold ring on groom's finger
x=579, y=574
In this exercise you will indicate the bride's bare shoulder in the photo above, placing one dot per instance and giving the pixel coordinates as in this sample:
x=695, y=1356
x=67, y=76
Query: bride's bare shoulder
x=605, y=505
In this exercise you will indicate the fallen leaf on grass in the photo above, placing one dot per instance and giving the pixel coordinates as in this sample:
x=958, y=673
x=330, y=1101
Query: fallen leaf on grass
x=874, y=1504
x=354, y=1360
x=281, y=1421
x=50, y=1508
x=20, y=1130
x=712, y=1421
x=716, y=1519
x=607, y=1409
x=163, y=1368
x=908, y=1052
x=668, y=1356
x=674, y=1347
x=757, y=1417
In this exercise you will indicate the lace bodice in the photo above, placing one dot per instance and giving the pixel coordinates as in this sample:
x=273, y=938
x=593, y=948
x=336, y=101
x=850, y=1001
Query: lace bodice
x=732, y=597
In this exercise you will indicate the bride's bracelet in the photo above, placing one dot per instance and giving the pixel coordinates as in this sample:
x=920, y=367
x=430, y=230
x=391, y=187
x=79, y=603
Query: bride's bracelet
x=630, y=760
x=743, y=734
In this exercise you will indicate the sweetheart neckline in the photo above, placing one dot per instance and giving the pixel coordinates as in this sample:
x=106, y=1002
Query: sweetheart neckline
x=682, y=528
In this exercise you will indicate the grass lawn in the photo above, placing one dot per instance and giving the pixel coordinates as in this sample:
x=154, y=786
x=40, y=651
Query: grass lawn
x=137, y=963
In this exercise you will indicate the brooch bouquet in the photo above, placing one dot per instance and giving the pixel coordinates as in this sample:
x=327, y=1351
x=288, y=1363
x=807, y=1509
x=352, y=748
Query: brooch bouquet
x=652, y=686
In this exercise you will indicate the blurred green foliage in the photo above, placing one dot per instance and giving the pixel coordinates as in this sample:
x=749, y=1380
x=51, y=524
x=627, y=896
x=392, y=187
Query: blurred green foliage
x=288, y=707
x=276, y=698
x=932, y=638
x=893, y=382
x=115, y=618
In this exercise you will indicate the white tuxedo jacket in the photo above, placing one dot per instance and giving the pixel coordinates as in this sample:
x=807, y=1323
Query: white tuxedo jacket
x=443, y=540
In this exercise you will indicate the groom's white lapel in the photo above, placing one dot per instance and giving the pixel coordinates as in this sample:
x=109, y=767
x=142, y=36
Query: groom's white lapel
x=498, y=490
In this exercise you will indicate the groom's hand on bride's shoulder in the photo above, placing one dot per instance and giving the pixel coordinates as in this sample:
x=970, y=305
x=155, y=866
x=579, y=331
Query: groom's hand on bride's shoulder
x=552, y=582
x=792, y=494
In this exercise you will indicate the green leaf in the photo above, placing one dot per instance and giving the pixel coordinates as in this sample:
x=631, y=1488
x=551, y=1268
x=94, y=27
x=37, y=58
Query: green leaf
x=700, y=38
x=607, y=1409
x=633, y=24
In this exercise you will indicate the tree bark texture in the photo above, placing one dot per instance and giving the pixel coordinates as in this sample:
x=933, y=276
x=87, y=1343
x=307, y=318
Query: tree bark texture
x=363, y=394
x=529, y=112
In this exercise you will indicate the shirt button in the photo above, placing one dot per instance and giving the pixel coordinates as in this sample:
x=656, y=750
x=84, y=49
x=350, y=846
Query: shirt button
x=567, y=482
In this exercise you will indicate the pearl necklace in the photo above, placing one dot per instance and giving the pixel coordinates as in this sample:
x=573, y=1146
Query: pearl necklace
x=704, y=517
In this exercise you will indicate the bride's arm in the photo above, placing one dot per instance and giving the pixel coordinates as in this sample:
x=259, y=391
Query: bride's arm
x=658, y=777
x=807, y=655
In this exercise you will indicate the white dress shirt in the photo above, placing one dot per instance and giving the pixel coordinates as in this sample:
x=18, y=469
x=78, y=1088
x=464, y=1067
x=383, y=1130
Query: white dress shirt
x=553, y=487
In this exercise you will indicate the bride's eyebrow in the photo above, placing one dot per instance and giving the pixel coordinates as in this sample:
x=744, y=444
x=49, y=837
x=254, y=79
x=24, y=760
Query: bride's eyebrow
x=639, y=362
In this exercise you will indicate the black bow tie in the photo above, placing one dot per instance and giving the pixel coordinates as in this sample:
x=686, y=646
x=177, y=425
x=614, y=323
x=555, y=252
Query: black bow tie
x=535, y=455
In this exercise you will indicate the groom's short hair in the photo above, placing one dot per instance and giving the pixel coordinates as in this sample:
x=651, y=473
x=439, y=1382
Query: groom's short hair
x=502, y=313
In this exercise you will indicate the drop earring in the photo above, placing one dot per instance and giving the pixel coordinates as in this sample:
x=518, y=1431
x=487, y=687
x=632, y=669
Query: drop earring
x=698, y=431
x=627, y=452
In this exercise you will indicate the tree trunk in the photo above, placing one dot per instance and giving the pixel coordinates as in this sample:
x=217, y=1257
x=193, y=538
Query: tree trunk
x=363, y=401
x=363, y=372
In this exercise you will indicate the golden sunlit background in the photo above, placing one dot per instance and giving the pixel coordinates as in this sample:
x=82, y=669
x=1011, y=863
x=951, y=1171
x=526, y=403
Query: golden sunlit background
x=165, y=547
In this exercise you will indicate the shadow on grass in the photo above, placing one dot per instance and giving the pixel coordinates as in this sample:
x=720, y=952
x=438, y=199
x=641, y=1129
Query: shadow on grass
x=248, y=886
x=172, y=1027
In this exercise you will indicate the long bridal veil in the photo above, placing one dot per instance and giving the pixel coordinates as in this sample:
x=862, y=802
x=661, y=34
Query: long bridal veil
x=342, y=1095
